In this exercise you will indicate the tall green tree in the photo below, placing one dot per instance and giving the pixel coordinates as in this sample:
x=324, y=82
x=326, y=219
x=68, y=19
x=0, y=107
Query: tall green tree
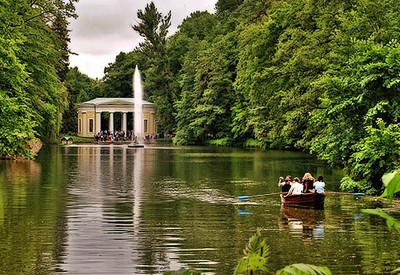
x=227, y=6
x=211, y=100
x=153, y=27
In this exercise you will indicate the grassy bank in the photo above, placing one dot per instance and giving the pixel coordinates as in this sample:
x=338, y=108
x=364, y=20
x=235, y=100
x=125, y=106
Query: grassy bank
x=75, y=139
x=230, y=142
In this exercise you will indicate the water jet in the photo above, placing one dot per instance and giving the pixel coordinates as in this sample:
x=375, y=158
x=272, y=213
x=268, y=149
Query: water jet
x=137, y=96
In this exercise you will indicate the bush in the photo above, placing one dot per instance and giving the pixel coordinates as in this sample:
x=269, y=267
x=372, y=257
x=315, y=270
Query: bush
x=375, y=154
x=221, y=142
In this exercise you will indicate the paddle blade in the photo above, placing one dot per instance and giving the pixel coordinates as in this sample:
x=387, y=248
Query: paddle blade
x=243, y=197
x=358, y=194
x=244, y=212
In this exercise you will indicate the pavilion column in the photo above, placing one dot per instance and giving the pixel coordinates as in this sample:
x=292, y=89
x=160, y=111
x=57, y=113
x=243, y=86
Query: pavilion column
x=153, y=124
x=123, y=121
x=98, y=122
x=111, y=122
x=84, y=124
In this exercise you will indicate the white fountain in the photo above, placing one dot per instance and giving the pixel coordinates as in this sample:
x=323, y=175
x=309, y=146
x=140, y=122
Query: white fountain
x=137, y=96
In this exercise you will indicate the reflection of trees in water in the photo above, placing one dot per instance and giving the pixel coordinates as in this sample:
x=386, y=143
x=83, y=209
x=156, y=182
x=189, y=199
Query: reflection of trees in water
x=20, y=171
x=31, y=215
x=308, y=224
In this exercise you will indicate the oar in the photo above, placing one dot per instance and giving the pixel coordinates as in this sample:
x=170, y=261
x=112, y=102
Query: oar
x=342, y=193
x=257, y=196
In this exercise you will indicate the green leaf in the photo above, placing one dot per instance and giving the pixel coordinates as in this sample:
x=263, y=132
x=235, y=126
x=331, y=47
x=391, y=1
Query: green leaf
x=304, y=269
x=392, y=183
x=390, y=221
x=257, y=256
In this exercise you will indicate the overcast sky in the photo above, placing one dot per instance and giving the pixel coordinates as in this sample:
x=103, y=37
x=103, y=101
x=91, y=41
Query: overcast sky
x=103, y=28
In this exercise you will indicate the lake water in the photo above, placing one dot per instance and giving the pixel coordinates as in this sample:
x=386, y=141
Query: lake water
x=116, y=210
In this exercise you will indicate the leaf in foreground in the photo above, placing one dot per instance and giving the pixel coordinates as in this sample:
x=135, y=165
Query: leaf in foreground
x=305, y=269
x=390, y=221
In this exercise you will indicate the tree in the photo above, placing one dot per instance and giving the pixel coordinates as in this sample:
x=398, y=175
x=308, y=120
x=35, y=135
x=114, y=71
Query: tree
x=209, y=99
x=153, y=26
x=227, y=6
x=60, y=28
x=80, y=88
x=117, y=81
x=33, y=96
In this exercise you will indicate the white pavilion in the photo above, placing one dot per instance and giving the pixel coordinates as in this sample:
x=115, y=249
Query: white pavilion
x=89, y=115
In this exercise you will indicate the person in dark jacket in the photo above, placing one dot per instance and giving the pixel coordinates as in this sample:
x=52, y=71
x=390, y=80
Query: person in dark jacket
x=285, y=184
x=308, y=182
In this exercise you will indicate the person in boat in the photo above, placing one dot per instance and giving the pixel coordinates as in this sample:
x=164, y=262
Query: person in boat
x=296, y=188
x=285, y=184
x=319, y=185
x=308, y=183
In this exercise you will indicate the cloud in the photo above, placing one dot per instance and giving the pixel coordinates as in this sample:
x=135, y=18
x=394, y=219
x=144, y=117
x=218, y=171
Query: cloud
x=103, y=28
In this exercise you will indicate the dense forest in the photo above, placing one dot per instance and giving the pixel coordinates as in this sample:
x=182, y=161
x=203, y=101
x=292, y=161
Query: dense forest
x=33, y=67
x=318, y=76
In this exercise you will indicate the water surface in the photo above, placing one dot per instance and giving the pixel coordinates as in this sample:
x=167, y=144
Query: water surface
x=116, y=210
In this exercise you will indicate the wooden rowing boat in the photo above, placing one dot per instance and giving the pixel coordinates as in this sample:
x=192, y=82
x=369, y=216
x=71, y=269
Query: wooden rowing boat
x=305, y=200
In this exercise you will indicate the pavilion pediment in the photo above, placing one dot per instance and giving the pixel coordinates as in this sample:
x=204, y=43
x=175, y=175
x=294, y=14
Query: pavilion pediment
x=116, y=103
x=113, y=101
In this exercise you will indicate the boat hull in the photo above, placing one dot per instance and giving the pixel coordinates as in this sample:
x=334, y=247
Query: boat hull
x=305, y=200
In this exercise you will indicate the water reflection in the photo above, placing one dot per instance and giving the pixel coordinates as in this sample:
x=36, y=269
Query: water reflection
x=20, y=171
x=108, y=210
x=307, y=224
x=97, y=230
x=107, y=230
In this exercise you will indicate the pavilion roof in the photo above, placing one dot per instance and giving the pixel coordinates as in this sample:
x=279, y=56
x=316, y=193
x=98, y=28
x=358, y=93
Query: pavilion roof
x=114, y=101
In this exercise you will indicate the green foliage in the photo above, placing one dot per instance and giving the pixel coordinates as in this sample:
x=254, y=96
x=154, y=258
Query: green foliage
x=320, y=76
x=80, y=88
x=118, y=77
x=210, y=105
x=256, y=256
x=390, y=221
x=165, y=139
x=304, y=269
x=16, y=120
x=251, y=142
x=391, y=182
x=221, y=142
x=392, y=185
x=32, y=59
x=378, y=152
x=350, y=185
x=17, y=128
x=153, y=27
x=227, y=6
x=256, y=260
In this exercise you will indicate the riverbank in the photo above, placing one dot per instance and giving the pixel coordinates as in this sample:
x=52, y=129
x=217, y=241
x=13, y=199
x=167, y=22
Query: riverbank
x=33, y=147
x=78, y=139
x=229, y=142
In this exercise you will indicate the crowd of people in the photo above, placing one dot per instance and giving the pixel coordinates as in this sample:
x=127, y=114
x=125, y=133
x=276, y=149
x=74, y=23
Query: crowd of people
x=120, y=135
x=308, y=184
x=108, y=136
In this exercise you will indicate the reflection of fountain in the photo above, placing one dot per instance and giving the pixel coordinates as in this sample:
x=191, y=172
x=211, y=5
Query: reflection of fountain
x=137, y=94
x=137, y=190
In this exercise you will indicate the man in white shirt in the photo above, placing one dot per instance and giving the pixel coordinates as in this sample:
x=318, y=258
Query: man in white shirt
x=296, y=188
